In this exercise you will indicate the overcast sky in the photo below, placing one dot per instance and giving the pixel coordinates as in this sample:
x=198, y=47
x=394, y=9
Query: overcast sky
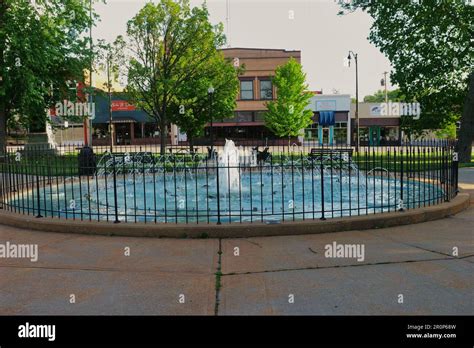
x=311, y=26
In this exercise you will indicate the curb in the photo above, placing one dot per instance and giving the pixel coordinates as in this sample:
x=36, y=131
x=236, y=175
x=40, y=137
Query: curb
x=237, y=230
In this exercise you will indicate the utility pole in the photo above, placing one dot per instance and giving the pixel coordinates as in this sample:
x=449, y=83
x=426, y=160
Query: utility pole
x=109, y=90
x=384, y=83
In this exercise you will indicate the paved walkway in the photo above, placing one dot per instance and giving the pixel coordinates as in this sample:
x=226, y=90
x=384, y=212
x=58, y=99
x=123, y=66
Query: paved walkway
x=273, y=275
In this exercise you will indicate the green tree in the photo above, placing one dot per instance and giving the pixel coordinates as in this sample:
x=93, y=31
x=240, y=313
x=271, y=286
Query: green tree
x=192, y=108
x=379, y=96
x=288, y=115
x=429, y=44
x=170, y=44
x=448, y=132
x=42, y=47
x=110, y=59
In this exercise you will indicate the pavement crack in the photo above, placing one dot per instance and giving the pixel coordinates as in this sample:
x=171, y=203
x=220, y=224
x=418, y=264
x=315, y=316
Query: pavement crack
x=92, y=269
x=254, y=243
x=338, y=266
x=414, y=246
x=218, y=278
x=314, y=252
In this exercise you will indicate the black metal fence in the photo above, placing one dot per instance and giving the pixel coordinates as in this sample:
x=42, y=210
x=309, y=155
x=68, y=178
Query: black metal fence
x=231, y=184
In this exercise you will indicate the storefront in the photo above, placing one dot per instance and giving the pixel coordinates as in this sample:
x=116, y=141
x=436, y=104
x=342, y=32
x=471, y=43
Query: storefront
x=331, y=123
x=130, y=126
x=374, y=128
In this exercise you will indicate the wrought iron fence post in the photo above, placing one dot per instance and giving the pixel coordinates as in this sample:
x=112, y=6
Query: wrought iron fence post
x=38, y=200
x=115, y=191
x=455, y=169
x=322, y=188
x=218, y=191
x=401, y=204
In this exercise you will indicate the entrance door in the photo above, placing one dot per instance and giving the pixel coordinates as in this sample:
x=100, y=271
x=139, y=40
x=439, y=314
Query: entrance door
x=374, y=135
x=122, y=131
x=325, y=135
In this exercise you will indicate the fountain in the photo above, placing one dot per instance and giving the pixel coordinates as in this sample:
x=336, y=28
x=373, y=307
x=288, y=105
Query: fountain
x=235, y=187
x=228, y=165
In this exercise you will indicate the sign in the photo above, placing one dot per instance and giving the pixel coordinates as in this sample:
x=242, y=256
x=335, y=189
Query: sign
x=122, y=105
x=325, y=105
x=375, y=110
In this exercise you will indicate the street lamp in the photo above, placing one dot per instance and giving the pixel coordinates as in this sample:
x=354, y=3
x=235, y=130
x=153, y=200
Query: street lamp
x=91, y=95
x=210, y=92
x=349, y=57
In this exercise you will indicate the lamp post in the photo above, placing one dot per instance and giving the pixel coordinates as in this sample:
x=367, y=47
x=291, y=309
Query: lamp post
x=349, y=57
x=109, y=90
x=210, y=92
x=91, y=95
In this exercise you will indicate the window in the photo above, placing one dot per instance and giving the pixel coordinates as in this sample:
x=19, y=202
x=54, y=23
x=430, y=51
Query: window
x=260, y=115
x=243, y=116
x=266, y=91
x=340, y=133
x=246, y=90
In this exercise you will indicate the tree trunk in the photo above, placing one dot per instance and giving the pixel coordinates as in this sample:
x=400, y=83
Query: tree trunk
x=466, y=133
x=163, y=135
x=191, y=144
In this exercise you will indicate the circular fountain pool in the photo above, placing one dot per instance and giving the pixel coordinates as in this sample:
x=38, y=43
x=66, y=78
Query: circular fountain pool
x=236, y=187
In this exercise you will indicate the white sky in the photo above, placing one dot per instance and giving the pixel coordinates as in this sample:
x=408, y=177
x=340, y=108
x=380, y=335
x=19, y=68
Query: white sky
x=323, y=37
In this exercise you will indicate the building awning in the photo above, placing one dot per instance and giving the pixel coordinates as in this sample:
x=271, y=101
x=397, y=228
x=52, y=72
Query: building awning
x=122, y=111
x=236, y=124
x=124, y=120
x=379, y=121
x=326, y=118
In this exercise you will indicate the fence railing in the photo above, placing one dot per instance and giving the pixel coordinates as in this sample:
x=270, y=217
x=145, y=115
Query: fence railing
x=229, y=185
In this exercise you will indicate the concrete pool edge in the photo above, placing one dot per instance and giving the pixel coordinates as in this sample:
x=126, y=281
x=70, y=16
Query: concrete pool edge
x=237, y=230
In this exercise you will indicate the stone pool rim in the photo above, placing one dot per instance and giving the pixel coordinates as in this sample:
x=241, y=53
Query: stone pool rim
x=238, y=230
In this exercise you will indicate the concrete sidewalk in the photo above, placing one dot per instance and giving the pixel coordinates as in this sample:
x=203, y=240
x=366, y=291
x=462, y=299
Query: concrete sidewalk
x=273, y=275
x=415, y=261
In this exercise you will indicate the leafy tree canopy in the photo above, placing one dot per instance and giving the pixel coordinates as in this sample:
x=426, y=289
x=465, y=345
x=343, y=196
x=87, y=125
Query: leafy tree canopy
x=429, y=44
x=43, y=50
x=193, y=107
x=289, y=115
x=379, y=96
x=170, y=45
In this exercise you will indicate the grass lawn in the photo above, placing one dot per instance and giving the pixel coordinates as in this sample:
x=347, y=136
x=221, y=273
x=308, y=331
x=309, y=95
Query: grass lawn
x=67, y=164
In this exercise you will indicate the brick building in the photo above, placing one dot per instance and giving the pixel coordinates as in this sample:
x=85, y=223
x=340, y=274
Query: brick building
x=256, y=89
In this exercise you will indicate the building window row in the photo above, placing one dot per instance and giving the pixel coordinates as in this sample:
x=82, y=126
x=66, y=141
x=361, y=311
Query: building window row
x=247, y=89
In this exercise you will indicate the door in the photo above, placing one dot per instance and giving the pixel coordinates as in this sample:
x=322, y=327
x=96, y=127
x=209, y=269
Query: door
x=123, y=134
x=374, y=135
x=325, y=135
